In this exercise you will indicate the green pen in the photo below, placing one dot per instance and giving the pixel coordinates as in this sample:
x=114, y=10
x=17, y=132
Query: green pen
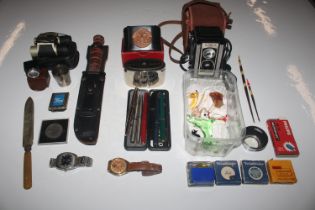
x=162, y=117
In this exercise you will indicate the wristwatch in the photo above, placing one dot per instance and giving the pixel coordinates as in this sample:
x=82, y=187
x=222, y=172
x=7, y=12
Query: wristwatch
x=120, y=166
x=69, y=161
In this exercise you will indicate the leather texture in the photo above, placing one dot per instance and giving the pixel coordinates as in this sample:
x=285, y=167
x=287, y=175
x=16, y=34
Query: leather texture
x=41, y=82
x=196, y=13
x=202, y=13
x=145, y=167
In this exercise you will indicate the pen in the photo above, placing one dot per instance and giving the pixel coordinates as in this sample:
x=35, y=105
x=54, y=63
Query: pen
x=162, y=119
x=144, y=118
x=157, y=133
x=132, y=106
x=138, y=117
x=151, y=116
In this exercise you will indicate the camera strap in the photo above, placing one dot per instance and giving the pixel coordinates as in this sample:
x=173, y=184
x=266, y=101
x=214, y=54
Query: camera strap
x=171, y=45
x=203, y=13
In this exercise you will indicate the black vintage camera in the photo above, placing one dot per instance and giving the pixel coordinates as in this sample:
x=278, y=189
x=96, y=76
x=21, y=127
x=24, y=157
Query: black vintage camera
x=51, y=51
x=208, y=51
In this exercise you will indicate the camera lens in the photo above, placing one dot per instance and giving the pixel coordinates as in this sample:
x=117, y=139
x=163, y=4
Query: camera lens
x=33, y=73
x=207, y=64
x=208, y=53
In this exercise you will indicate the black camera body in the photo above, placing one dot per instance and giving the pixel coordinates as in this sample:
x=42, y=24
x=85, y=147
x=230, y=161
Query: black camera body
x=51, y=51
x=208, y=51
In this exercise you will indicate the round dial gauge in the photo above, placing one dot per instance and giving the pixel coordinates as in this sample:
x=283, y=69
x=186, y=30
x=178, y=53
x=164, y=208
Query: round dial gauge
x=255, y=173
x=142, y=37
x=54, y=130
x=227, y=172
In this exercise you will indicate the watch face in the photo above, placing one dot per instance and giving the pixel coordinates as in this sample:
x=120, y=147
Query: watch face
x=142, y=37
x=66, y=161
x=118, y=166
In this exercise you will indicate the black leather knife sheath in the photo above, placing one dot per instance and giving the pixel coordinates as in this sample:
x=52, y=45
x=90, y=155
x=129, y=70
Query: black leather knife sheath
x=89, y=104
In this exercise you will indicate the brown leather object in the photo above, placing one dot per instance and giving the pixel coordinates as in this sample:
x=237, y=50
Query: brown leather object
x=146, y=167
x=120, y=166
x=27, y=176
x=41, y=82
x=202, y=13
x=196, y=13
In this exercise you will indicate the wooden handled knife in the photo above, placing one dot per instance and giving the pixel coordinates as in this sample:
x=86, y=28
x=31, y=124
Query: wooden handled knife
x=28, y=135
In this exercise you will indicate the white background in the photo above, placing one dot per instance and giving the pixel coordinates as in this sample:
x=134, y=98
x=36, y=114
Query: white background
x=267, y=60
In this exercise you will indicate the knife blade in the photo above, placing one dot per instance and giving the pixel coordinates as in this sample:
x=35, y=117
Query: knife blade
x=28, y=135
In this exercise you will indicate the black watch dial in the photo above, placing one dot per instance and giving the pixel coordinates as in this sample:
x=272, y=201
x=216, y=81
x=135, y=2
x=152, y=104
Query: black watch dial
x=66, y=161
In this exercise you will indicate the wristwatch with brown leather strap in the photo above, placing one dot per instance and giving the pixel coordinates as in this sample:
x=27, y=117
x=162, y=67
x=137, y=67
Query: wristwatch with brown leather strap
x=120, y=166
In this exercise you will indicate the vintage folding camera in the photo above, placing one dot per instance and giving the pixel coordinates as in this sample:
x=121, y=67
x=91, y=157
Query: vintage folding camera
x=51, y=51
x=208, y=51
